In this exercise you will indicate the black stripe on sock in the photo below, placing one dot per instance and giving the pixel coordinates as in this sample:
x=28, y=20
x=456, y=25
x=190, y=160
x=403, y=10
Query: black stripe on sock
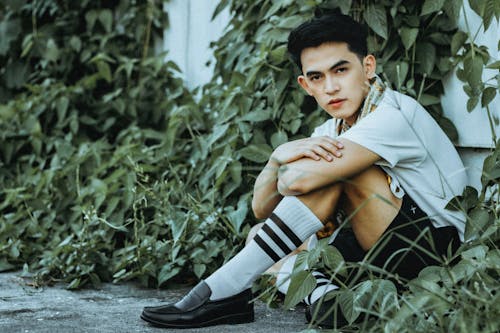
x=288, y=232
x=321, y=284
x=318, y=285
x=270, y=232
x=263, y=245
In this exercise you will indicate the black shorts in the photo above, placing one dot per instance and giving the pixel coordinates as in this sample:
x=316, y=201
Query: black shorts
x=410, y=243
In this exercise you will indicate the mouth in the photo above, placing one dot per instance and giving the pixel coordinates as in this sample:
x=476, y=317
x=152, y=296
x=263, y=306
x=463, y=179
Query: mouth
x=337, y=102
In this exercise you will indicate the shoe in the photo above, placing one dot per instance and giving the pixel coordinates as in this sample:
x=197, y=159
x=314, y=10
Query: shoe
x=326, y=313
x=197, y=310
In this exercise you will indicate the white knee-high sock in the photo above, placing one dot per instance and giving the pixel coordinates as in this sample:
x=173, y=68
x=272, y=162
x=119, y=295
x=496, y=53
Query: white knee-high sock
x=290, y=224
x=323, y=284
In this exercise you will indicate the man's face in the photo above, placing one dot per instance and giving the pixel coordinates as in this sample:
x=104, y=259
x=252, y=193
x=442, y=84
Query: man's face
x=336, y=78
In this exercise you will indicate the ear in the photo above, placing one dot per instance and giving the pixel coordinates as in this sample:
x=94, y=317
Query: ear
x=301, y=79
x=369, y=65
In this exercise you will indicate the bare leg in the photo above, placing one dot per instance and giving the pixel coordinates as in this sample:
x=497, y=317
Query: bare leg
x=367, y=197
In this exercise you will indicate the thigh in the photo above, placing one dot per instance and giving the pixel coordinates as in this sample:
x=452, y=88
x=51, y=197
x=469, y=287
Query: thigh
x=370, y=205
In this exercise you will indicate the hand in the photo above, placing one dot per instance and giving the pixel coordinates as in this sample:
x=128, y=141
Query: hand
x=314, y=148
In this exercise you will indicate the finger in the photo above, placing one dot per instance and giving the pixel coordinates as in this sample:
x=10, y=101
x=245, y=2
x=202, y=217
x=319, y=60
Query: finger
x=334, y=142
x=312, y=155
x=323, y=153
x=332, y=149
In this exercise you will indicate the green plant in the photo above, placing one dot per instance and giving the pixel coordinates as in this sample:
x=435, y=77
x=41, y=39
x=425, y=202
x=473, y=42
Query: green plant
x=97, y=178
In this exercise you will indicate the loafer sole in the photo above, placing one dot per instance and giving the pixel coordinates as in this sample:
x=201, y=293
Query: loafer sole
x=235, y=318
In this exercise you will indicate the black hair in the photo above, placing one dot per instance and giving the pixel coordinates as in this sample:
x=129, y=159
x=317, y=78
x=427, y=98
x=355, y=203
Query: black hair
x=329, y=27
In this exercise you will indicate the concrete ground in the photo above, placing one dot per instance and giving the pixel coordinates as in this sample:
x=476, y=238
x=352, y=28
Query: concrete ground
x=112, y=308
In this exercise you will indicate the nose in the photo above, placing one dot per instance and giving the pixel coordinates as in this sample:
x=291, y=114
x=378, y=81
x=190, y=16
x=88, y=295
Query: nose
x=331, y=85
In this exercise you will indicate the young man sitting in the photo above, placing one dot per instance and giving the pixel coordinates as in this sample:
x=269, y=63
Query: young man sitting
x=381, y=156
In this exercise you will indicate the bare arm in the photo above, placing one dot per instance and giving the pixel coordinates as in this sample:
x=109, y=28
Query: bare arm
x=266, y=195
x=265, y=191
x=306, y=175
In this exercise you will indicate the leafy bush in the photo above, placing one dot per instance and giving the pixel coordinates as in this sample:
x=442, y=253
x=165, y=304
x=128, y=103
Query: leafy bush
x=97, y=177
x=111, y=170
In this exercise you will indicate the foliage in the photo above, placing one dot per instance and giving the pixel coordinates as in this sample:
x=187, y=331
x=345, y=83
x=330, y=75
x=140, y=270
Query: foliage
x=110, y=170
x=97, y=179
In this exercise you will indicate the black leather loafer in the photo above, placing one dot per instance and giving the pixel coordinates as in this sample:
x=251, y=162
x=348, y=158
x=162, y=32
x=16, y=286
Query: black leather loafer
x=326, y=313
x=197, y=310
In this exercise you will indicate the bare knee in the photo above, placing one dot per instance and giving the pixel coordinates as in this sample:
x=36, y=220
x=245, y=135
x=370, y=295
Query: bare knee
x=323, y=202
x=373, y=182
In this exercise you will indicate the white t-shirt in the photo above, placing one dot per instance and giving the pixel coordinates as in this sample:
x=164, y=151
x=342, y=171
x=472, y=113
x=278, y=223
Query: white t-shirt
x=415, y=152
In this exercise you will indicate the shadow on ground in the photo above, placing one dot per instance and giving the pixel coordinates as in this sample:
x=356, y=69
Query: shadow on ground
x=112, y=308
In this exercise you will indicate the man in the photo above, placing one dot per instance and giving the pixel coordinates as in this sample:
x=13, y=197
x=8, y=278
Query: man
x=381, y=158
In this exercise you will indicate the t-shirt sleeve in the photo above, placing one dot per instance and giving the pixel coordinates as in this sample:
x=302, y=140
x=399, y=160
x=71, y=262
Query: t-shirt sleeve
x=389, y=134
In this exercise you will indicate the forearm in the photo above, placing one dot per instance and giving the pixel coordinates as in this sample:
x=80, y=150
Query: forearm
x=265, y=192
x=306, y=175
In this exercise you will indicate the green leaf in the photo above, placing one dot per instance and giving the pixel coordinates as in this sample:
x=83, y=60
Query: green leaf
x=220, y=7
x=16, y=74
x=199, y=269
x=235, y=170
x=61, y=107
x=426, y=57
x=408, y=36
x=104, y=71
x=448, y=127
x=258, y=153
x=477, y=221
x=76, y=43
x=290, y=22
x=218, y=132
x=256, y=116
x=106, y=19
x=237, y=217
x=488, y=95
x=494, y=65
x=426, y=99
x=332, y=258
x=178, y=225
x=278, y=54
x=457, y=41
x=347, y=300
x=376, y=19
x=279, y=138
x=91, y=17
x=472, y=103
x=74, y=284
x=167, y=272
x=431, y=6
x=9, y=31
x=452, y=9
x=473, y=70
x=478, y=6
x=51, y=51
x=302, y=284
x=476, y=253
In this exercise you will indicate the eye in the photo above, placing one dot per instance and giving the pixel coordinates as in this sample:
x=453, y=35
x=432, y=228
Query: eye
x=341, y=70
x=314, y=77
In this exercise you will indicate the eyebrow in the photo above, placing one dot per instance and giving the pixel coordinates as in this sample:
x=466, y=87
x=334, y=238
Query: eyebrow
x=335, y=65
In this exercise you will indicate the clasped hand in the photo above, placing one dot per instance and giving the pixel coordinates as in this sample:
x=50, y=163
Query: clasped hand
x=323, y=147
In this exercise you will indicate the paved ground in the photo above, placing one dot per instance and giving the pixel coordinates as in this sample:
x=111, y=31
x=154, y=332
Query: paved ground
x=113, y=308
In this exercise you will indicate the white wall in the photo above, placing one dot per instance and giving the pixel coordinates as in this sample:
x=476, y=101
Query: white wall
x=189, y=35
x=473, y=128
